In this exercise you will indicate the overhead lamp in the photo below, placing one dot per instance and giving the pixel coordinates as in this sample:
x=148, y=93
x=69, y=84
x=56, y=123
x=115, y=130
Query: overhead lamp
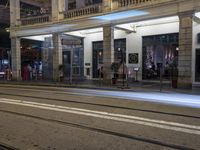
x=121, y=15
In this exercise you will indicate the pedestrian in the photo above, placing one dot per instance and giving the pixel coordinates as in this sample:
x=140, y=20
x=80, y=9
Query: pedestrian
x=34, y=72
x=7, y=74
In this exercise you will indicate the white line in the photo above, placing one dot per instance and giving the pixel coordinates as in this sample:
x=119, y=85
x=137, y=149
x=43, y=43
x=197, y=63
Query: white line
x=192, y=129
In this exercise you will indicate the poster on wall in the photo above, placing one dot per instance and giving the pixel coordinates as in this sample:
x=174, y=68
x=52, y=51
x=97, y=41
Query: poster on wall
x=133, y=58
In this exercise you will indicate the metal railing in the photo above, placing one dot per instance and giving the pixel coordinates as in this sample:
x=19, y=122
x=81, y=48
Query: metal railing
x=89, y=10
x=35, y=20
x=124, y=3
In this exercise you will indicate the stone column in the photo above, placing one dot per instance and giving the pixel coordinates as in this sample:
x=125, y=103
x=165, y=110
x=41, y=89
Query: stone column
x=80, y=4
x=16, y=58
x=14, y=12
x=57, y=6
x=57, y=55
x=66, y=5
x=107, y=5
x=185, y=50
x=108, y=53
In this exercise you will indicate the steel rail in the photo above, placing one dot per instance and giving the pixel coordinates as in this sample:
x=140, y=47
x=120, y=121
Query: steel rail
x=102, y=131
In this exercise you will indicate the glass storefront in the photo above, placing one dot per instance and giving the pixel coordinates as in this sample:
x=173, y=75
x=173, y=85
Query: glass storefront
x=119, y=54
x=73, y=58
x=159, y=53
x=97, y=58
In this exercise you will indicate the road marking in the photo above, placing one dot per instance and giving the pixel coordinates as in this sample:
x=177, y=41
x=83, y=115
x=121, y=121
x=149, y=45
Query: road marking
x=186, y=128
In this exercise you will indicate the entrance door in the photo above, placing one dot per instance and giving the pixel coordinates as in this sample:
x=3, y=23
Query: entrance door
x=197, y=66
x=97, y=60
x=73, y=63
x=119, y=54
x=67, y=63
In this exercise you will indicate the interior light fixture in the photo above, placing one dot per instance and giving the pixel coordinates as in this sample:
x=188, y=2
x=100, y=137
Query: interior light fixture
x=121, y=15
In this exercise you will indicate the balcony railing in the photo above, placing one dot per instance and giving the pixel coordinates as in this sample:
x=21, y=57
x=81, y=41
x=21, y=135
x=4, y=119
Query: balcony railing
x=138, y=3
x=89, y=10
x=35, y=20
x=123, y=3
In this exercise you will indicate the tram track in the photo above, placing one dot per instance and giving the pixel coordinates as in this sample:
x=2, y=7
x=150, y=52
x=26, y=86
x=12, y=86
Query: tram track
x=6, y=147
x=99, y=130
x=102, y=105
x=70, y=101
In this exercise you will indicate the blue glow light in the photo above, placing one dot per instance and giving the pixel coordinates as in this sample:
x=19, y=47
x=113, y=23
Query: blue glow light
x=172, y=98
x=121, y=15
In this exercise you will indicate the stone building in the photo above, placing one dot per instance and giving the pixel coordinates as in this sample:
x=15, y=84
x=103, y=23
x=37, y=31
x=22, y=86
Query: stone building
x=4, y=35
x=148, y=36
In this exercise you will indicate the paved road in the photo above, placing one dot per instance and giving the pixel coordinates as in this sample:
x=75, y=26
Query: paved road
x=48, y=118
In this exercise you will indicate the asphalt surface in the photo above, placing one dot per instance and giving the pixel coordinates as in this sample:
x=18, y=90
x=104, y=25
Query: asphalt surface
x=49, y=118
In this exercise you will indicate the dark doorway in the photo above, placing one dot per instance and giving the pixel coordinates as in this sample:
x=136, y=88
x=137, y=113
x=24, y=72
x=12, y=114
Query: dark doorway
x=97, y=58
x=197, y=66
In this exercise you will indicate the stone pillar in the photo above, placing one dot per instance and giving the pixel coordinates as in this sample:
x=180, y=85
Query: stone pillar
x=80, y=4
x=57, y=55
x=107, y=4
x=185, y=50
x=14, y=12
x=108, y=53
x=57, y=6
x=66, y=5
x=16, y=58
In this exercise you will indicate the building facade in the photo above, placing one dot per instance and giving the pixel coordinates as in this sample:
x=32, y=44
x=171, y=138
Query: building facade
x=4, y=36
x=88, y=36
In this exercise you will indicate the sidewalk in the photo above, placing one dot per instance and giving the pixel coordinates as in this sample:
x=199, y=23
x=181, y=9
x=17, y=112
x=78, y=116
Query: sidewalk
x=135, y=87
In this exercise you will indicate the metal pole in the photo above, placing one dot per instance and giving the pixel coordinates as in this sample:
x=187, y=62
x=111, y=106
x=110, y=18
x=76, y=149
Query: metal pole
x=98, y=69
x=123, y=65
x=161, y=79
x=71, y=61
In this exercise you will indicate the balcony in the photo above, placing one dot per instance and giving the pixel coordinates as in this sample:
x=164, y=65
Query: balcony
x=86, y=11
x=139, y=3
x=91, y=10
x=35, y=20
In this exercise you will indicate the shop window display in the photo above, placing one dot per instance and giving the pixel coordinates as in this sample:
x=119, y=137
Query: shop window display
x=159, y=52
